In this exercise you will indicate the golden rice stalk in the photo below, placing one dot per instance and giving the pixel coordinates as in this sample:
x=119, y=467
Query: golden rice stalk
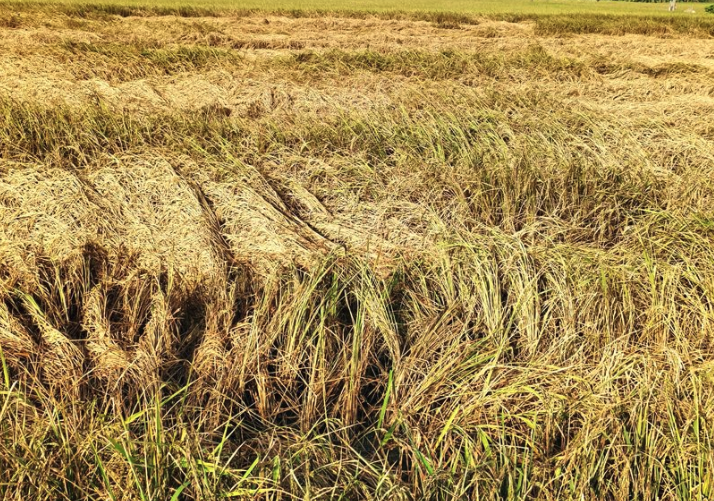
x=60, y=358
x=109, y=359
x=15, y=341
x=210, y=359
x=156, y=343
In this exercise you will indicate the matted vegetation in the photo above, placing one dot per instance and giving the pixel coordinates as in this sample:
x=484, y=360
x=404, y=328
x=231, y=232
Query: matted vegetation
x=266, y=256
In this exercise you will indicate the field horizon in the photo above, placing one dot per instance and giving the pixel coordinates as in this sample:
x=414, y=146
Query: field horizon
x=289, y=253
x=366, y=7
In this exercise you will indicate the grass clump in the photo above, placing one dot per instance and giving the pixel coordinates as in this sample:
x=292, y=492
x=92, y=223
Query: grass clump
x=11, y=21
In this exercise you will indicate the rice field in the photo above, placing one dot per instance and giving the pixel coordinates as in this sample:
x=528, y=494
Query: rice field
x=365, y=254
x=465, y=7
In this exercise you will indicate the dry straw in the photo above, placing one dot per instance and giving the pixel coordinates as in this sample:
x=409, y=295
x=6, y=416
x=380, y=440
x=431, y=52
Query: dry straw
x=469, y=261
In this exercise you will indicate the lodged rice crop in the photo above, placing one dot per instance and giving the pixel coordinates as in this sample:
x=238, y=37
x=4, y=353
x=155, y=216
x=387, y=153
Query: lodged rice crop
x=264, y=255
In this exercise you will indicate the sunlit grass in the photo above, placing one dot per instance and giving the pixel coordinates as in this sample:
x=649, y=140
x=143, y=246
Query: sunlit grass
x=382, y=271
